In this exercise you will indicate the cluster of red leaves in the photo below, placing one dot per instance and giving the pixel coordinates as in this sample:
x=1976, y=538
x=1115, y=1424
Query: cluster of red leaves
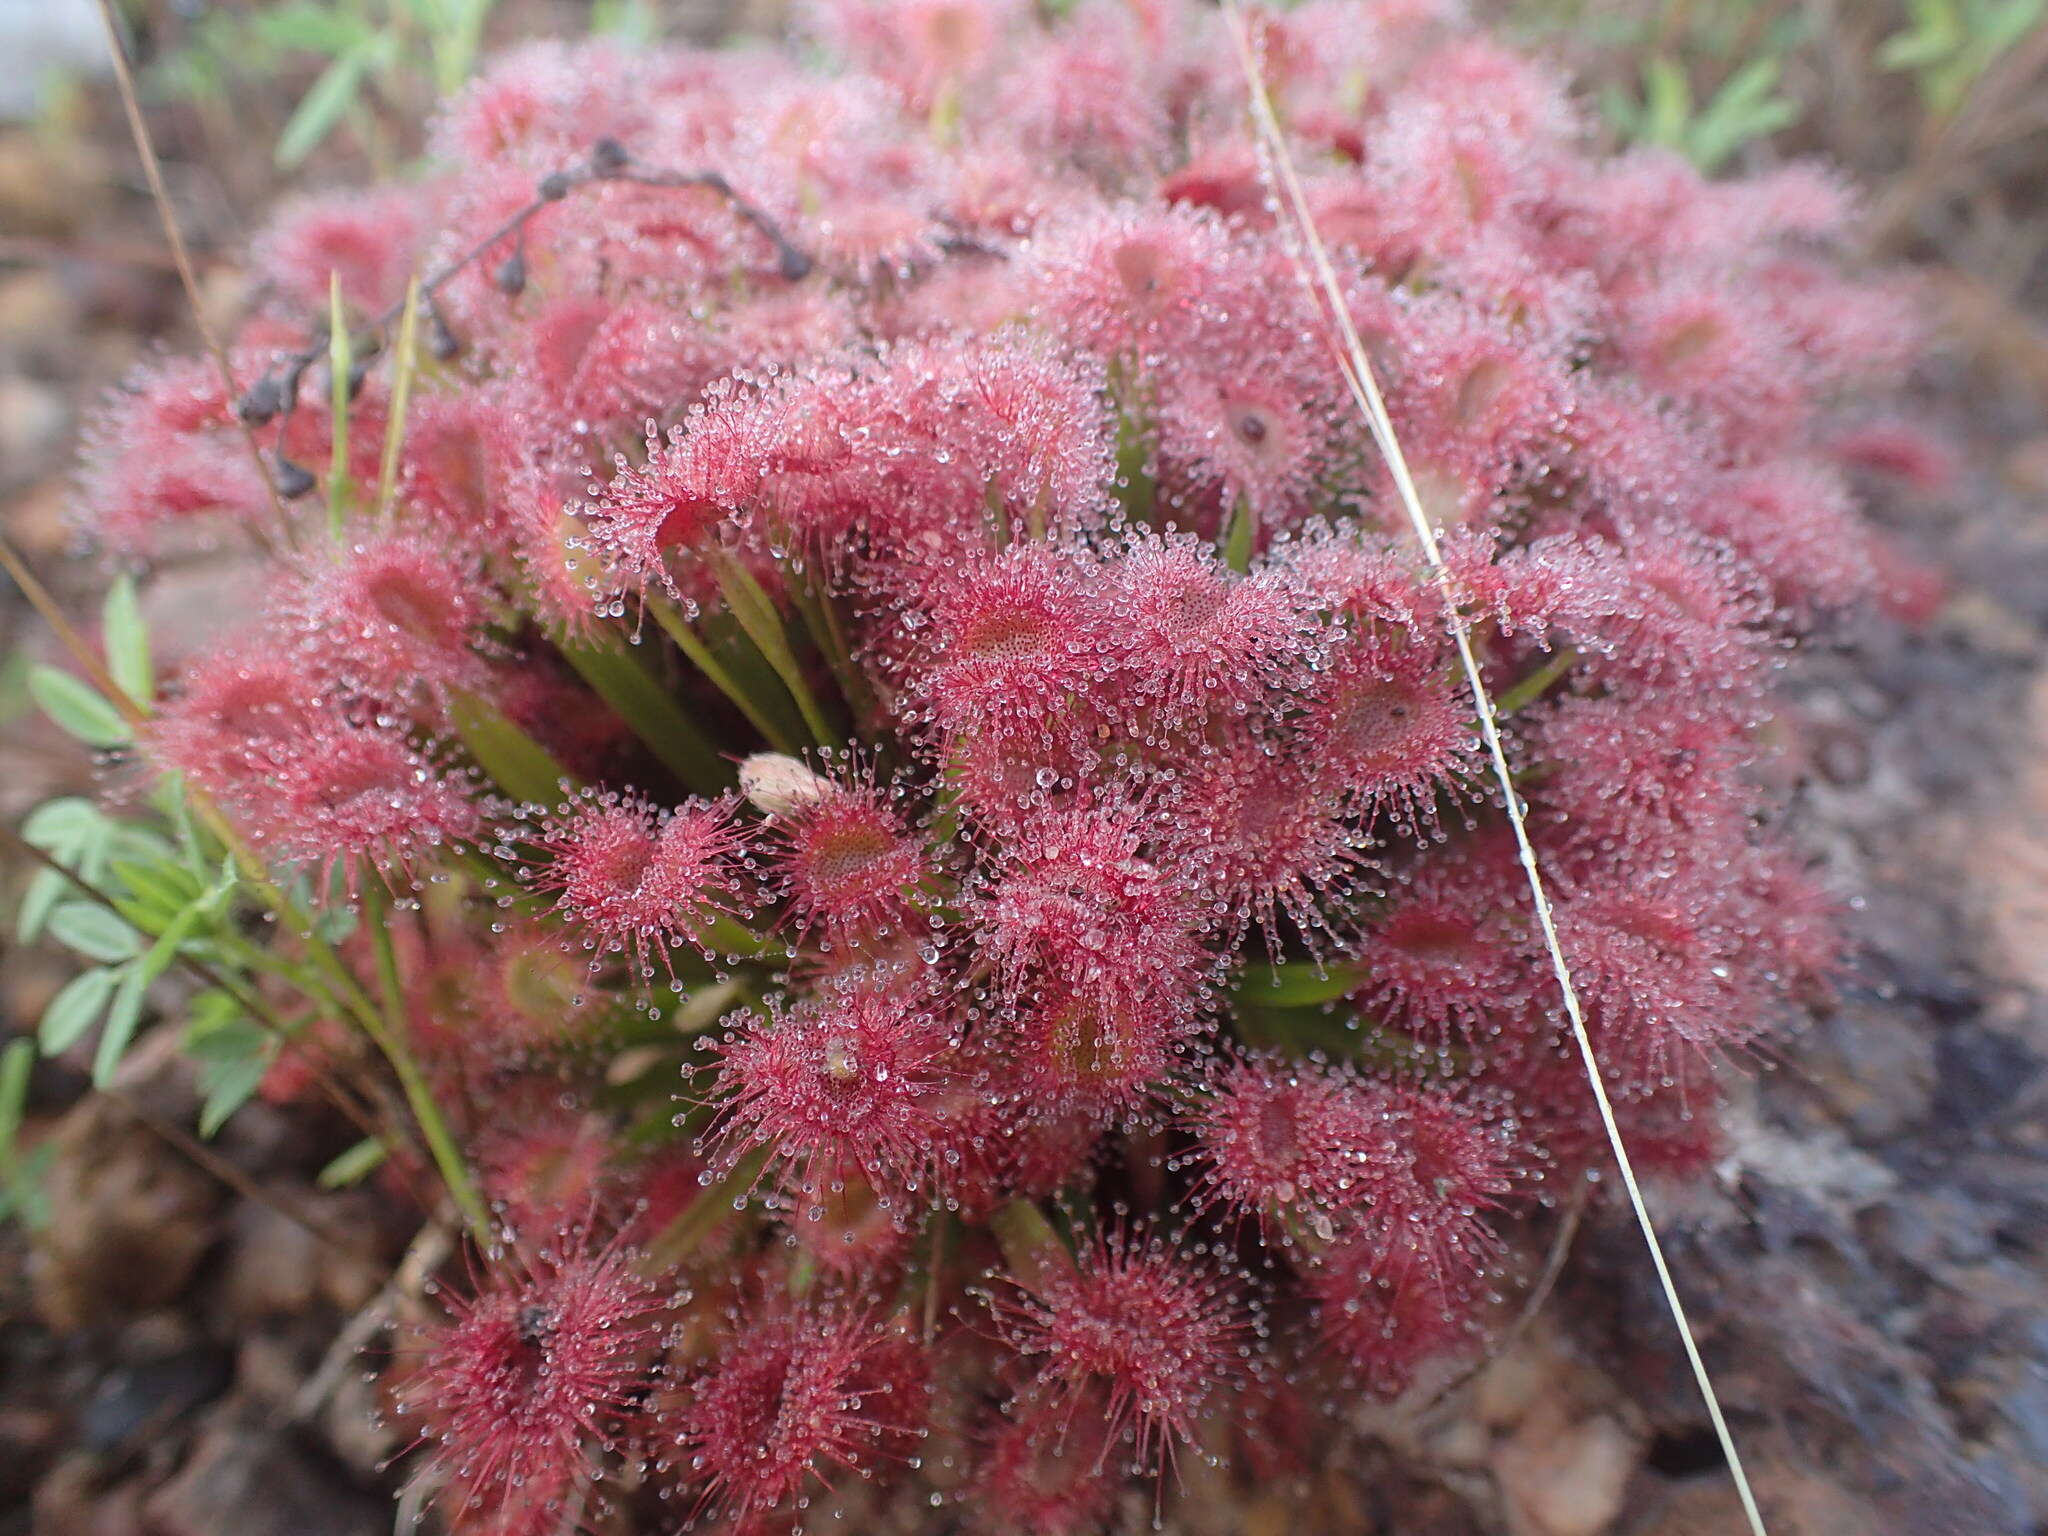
x=1043, y=452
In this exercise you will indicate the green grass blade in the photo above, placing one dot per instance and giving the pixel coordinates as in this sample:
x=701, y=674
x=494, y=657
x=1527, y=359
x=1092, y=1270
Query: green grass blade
x=517, y=764
x=623, y=681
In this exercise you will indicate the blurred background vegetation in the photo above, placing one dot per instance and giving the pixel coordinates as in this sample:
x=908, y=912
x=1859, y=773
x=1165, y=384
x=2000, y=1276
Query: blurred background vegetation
x=1884, y=83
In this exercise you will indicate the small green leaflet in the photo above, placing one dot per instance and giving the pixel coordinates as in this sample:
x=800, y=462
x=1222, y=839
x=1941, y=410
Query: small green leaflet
x=230, y=1053
x=94, y=932
x=77, y=708
x=75, y=1009
x=127, y=641
x=61, y=828
x=123, y=1017
x=353, y=1165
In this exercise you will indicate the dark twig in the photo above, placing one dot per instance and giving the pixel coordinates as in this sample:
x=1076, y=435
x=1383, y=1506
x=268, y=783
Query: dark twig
x=276, y=394
x=792, y=263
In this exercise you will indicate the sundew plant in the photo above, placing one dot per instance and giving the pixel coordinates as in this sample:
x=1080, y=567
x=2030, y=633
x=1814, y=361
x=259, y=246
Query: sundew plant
x=844, y=748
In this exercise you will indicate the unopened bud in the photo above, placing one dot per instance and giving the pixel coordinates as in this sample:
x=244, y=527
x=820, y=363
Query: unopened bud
x=263, y=401
x=441, y=341
x=293, y=480
x=511, y=274
x=779, y=784
x=794, y=265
